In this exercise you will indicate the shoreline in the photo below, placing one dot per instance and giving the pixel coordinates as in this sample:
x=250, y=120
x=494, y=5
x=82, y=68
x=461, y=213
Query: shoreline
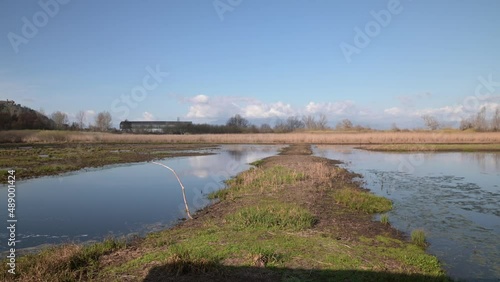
x=37, y=160
x=287, y=219
x=32, y=160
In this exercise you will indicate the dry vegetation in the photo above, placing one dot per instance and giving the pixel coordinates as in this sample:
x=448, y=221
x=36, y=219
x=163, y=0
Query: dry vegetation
x=319, y=137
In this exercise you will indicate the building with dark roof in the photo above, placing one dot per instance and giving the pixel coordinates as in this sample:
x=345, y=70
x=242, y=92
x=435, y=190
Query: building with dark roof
x=172, y=127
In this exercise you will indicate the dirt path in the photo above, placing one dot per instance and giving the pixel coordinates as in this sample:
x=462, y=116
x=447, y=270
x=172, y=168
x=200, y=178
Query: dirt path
x=282, y=221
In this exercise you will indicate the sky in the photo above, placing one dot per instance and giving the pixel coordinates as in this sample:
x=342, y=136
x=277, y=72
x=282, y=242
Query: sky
x=375, y=62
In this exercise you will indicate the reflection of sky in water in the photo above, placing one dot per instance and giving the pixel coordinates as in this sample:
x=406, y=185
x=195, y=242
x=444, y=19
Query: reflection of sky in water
x=121, y=199
x=454, y=197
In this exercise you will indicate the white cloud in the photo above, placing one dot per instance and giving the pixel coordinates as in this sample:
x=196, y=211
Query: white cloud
x=394, y=111
x=332, y=108
x=261, y=110
x=445, y=114
x=203, y=111
x=199, y=99
x=147, y=116
x=218, y=108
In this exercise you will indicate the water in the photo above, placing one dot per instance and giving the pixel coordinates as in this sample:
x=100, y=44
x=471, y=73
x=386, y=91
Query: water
x=454, y=197
x=120, y=200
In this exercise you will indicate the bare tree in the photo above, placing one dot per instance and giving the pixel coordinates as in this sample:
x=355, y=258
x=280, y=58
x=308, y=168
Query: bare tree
x=80, y=119
x=345, y=124
x=280, y=126
x=265, y=128
x=466, y=123
x=294, y=123
x=60, y=119
x=238, y=121
x=309, y=122
x=495, y=121
x=430, y=122
x=103, y=121
x=322, y=122
x=394, y=127
x=480, y=122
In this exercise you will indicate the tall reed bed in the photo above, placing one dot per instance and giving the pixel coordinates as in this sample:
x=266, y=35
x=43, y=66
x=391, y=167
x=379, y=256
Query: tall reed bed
x=324, y=137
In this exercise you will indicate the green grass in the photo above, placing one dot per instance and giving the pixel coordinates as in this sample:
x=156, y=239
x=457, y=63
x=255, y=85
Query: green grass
x=267, y=231
x=259, y=180
x=272, y=216
x=205, y=248
x=88, y=256
x=62, y=263
x=257, y=163
x=418, y=238
x=362, y=201
x=384, y=219
x=32, y=160
x=183, y=261
x=411, y=256
x=219, y=194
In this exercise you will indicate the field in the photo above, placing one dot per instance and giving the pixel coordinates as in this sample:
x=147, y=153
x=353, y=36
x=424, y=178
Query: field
x=318, y=137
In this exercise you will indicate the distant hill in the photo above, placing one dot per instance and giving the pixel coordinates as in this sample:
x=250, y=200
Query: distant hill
x=15, y=116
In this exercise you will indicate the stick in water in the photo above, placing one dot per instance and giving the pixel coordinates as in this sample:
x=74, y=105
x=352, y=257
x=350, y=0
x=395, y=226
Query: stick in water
x=182, y=186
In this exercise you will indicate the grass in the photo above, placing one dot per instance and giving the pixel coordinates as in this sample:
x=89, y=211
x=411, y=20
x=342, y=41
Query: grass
x=411, y=255
x=257, y=163
x=182, y=261
x=321, y=137
x=258, y=180
x=384, y=219
x=418, y=238
x=262, y=232
x=69, y=262
x=363, y=201
x=51, y=159
x=272, y=216
x=206, y=248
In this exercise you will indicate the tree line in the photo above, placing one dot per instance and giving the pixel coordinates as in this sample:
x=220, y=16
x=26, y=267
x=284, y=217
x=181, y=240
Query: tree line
x=239, y=124
x=478, y=121
x=102, y=121
x=15, y=116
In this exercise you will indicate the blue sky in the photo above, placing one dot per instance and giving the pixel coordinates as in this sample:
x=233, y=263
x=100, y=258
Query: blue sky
x=262, y=59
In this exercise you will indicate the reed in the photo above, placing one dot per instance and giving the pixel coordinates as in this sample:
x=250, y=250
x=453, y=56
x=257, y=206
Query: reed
x=418, y=238
x=323, y=137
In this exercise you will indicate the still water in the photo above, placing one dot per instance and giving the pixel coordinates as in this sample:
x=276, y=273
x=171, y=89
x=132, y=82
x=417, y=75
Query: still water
x=454, y=197
x=122, y=199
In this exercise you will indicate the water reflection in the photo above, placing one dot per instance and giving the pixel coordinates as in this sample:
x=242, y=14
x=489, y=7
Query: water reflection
x=454, y=197
x=488, y=162
x=121, y=199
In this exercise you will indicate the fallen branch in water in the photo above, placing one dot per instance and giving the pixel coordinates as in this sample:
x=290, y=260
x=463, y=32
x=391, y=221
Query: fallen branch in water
x=182, y=186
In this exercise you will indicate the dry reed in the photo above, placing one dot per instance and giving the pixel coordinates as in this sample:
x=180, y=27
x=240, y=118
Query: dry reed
x=327, y=137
